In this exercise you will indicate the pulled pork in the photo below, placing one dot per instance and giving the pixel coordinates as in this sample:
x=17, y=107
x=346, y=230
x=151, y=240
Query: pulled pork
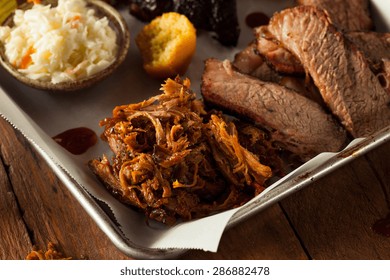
x=173, y=160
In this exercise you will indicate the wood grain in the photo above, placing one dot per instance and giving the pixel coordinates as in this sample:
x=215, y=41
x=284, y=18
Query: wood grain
x=13, y=233
x=266, y=235
x=334, y=217
x=47, y=210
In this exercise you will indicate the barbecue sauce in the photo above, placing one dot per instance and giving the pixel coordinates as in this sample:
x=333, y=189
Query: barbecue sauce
x=77, y=140
x=382, y=226
x=256, y=19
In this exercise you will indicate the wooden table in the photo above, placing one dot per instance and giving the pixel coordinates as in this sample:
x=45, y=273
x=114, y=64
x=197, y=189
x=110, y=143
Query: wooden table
x=330, y=219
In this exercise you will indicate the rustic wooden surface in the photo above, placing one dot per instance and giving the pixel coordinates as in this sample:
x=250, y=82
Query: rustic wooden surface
x=330, y=219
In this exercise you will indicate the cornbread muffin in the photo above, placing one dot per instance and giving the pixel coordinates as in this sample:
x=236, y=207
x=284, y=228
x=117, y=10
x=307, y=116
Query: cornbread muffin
x=167, y=45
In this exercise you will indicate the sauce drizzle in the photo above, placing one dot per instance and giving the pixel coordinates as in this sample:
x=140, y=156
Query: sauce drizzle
x=382, y=226
x=256, y=19
x=77, y=140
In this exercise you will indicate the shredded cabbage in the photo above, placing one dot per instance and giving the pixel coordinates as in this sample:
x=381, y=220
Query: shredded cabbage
x=58, y=44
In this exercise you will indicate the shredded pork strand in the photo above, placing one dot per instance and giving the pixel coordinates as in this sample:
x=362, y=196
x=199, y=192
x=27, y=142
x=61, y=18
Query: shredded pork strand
x=173, y=160
x=50, y=254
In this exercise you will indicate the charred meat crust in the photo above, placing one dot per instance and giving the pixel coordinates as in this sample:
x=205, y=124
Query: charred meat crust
x=216, y=16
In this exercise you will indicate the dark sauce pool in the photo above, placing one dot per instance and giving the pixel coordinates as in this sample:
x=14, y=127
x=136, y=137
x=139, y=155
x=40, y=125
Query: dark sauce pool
x=77, y=140
x=382, y=226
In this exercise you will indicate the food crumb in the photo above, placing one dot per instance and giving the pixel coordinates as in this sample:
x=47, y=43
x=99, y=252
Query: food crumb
x=50, y=254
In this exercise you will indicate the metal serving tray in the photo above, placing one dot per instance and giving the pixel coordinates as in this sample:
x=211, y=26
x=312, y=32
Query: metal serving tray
x=40, y=115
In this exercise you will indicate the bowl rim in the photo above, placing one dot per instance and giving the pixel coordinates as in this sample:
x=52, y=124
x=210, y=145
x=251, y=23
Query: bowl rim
x=123, y=41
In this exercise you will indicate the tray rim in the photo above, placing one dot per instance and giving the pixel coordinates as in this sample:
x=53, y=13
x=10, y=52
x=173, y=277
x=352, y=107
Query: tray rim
x=290, y=186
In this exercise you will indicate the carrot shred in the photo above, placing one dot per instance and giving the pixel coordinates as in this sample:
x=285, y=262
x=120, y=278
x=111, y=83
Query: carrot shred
x=74, y=21
x=34, y=1
x=26, y=59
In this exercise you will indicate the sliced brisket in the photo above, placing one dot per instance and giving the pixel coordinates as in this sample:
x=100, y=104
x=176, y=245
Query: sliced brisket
x=374, y=45
x=275, y=54
x=338, y=68
x=297, y=123
x=248, y=61
x=349, y=15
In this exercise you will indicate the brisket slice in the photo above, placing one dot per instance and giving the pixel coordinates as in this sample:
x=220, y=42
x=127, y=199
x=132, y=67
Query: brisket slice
x=297, y=123
x=374, y=45
x=348, y=15
x=248, y=61
x=279, y=65
x=275, y=55
x=339, y=70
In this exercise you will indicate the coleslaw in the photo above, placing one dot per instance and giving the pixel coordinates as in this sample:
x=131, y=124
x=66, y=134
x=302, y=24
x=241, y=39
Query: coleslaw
x=63, y=43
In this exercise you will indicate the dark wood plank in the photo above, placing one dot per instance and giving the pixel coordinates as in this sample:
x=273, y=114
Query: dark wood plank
x=50, y=212
x=14, y=237
x=266, y=235
x=334, y=216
